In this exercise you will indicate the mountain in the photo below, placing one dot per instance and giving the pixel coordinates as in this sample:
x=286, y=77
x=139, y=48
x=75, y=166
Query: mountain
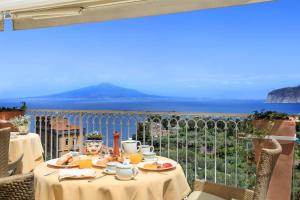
x=285, y=95
x=103, y=91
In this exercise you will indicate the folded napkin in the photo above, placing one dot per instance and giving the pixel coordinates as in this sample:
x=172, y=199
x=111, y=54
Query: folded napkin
x=76, y=173
x=13, y=135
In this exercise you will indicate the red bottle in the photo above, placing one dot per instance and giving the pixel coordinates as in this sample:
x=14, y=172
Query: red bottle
x=116, y=144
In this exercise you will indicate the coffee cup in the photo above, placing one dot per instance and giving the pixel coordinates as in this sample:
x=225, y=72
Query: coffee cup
x=146, y=148
x=150, y=156
x=126, y=172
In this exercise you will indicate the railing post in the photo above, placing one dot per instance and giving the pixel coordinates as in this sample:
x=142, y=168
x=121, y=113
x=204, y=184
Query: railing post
x=178, y=145
x=81, y=131
x=45, y=135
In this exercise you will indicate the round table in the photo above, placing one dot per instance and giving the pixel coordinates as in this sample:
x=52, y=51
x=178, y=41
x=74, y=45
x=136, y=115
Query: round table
x=168, y=185
x=31, y=147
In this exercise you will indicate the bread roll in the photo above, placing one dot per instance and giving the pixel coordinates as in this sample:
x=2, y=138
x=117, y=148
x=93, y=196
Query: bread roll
x=64, y=159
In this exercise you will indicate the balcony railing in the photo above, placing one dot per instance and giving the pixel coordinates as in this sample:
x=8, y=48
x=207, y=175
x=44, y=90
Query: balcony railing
x=208, y=146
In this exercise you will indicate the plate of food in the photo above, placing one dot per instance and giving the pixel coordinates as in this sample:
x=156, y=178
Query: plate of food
x=100, y=162
x=157, y=165
x=66, y=161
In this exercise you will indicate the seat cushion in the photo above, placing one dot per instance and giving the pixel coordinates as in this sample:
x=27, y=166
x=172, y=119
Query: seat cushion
x=198, y=195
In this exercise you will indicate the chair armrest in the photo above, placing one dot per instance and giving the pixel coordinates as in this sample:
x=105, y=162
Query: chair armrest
x=15, y=166
x=223, y=191
x=17, y=187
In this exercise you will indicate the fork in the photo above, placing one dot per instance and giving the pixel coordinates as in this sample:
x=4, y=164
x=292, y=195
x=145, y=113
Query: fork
x=47, y=174
x=91, y=180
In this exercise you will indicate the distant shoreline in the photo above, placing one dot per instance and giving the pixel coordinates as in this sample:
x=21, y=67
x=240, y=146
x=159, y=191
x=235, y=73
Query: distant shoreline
x=213, y=106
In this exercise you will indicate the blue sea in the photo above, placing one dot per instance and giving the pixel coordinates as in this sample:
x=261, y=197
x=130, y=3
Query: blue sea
x=224, y=106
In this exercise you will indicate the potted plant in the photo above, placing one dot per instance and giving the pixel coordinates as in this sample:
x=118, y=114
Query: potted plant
x=93, y=143
x=262, y=124
x=8, y=113
x=21, y=123
x=281, y=123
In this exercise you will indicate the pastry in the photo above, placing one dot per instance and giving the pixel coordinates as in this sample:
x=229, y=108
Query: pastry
x=64, y=159
x=74, y=161
x=102, y=162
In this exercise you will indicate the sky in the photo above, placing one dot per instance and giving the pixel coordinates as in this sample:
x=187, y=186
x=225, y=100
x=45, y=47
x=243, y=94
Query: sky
x=228, y=53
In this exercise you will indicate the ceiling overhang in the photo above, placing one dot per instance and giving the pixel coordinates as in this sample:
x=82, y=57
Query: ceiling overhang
x=28, y=14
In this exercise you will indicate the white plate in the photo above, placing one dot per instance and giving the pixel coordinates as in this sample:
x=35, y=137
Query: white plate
x=141, y=165
x=53, y=164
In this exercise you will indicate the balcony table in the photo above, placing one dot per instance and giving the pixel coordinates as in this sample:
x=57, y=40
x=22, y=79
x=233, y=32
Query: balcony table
x=30, y=145
x=169, y=185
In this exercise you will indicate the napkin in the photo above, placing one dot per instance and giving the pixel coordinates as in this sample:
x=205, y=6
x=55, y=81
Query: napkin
x=76, y=173
x=13, y=135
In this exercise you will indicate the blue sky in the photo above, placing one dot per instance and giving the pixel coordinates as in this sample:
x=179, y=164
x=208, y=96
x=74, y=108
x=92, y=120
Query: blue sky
x=238, y=52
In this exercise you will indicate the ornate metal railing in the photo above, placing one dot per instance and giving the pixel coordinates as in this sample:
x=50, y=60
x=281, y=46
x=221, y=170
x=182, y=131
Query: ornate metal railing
x=208, y=146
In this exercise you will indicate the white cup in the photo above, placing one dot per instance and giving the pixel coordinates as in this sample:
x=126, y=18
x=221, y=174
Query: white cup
x=126, y=172
x=150, y=156
x=146, y=148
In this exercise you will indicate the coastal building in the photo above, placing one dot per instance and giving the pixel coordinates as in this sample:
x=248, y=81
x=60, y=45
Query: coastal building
x=61, y=136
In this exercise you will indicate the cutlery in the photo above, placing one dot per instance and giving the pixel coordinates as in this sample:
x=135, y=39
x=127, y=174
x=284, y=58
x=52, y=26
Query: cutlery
x=91, y=180
x=47, y=174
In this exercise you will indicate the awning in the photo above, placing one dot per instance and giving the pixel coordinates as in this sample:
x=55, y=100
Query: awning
x=28, y=14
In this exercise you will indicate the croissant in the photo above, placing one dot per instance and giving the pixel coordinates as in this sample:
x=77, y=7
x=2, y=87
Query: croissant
x=102, y=162
x=64, y=159
x=74, y=161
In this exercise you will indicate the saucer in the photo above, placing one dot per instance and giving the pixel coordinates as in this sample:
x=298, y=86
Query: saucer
x=109, y=172
x=151, y=159
x=124, y=179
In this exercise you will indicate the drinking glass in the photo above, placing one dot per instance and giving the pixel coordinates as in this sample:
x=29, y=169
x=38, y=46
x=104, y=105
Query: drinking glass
x=135, y=158
x=85, y=162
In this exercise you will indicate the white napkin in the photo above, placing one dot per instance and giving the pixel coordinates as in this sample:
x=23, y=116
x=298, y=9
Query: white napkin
x=13, y=135
x=76, y=173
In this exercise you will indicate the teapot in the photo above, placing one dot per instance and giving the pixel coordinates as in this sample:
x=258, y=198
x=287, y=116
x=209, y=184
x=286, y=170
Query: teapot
x=126, y=172
x=130, y=146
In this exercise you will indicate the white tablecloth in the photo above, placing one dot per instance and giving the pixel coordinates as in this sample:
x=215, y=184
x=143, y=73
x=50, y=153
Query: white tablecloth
x=168, y=185
x=30, y=145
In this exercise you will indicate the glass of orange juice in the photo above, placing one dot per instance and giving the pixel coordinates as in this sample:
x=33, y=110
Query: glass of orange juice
x=135, y=158
x=85, y=162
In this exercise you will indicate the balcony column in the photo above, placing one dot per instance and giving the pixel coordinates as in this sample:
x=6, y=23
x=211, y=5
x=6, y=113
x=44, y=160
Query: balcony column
x=281, y=181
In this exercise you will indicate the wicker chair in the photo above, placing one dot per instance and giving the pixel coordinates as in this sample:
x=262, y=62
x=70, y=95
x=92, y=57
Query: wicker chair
x=4, y=148
x=211, y=191
x=15, y=167
x=17, y=187
x=6, y=168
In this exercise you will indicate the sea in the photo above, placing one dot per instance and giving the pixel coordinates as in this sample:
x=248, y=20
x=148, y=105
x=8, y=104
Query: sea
x=208, y=106
x=219, y=106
